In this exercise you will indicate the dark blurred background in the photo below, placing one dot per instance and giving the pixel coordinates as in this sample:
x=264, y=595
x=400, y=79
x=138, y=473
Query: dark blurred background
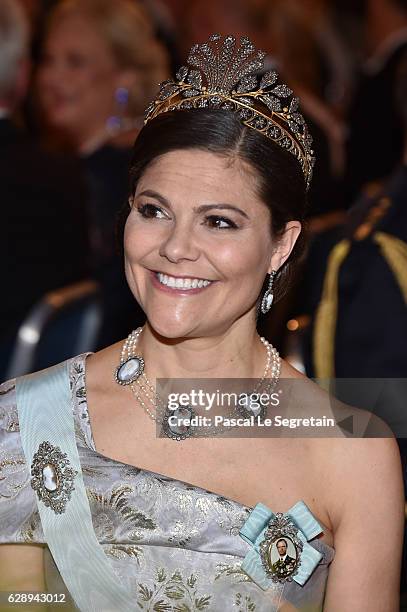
x=75, y=77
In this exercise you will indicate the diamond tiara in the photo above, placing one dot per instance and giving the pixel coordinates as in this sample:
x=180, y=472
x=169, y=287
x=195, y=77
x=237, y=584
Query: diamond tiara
x=222, y=75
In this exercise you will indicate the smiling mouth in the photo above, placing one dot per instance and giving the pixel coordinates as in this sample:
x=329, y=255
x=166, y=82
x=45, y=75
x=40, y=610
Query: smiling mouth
x=184, y=283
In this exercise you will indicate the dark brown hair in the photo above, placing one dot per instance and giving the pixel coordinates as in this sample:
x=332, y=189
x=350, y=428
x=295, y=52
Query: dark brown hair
x=281, y=184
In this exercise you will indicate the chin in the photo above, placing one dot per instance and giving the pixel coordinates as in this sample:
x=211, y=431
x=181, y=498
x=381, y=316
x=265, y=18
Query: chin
x=194, y=326
x=61, y=118
x=168, y=328
x=167, y=325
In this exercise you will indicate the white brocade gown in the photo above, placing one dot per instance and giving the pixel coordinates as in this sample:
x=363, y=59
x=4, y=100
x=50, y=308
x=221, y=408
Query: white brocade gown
x=174, y=545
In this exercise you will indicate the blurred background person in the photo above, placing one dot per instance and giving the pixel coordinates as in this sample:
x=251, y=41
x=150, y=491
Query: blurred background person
x=360, y=326
x=100, y=64
x=309, y=46
x=198, y=20
x=42, y=201
x=375, y=123
x=366, y=278
x=306, y=48
x=361, y=318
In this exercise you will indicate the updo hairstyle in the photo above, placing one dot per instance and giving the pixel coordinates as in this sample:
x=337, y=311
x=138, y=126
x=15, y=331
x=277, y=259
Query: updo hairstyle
x=280, y=181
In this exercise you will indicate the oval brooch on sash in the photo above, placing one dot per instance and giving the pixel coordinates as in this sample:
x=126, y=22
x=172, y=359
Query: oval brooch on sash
x=52, y=477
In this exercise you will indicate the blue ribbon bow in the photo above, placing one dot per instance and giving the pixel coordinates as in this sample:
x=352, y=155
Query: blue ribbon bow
x=253, y=532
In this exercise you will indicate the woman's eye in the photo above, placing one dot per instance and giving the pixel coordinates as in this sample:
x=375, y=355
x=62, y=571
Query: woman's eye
x=216, y=222
x=149, y=211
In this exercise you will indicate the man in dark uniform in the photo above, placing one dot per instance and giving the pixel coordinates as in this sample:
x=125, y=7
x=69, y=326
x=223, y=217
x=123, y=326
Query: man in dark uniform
x=369, y=296
x=360, y=325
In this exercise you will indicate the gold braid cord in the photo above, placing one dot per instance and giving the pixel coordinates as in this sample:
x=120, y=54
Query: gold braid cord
x=326, y=315
x=394, y=251
x=222, y=75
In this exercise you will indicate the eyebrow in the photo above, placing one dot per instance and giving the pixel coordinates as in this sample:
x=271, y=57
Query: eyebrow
x=200, y=209
x=153, y=194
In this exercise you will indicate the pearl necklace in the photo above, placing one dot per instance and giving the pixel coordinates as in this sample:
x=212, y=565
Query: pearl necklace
x=131, y=372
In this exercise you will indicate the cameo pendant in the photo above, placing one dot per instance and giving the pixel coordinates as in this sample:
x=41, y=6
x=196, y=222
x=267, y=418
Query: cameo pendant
x=249, y=405
x=128, y=371
x=176, y=424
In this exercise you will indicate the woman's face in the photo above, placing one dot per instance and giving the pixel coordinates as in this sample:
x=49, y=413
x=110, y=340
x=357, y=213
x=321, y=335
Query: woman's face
x=198, y=244
x=77, y=78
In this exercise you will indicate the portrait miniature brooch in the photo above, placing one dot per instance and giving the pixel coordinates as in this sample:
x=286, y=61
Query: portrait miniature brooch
x=279, y=545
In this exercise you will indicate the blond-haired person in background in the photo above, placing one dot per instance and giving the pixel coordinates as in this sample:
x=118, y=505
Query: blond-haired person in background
x=101, y=63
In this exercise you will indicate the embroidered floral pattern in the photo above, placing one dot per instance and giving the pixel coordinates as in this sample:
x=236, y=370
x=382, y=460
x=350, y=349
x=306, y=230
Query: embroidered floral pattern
x=31, y=530
x=78, y=389
x=245, y=603
x=116, y=517
x=8, y=411
x=121, y=552
x=172, y=593
x=231, y=571
x=13, y=474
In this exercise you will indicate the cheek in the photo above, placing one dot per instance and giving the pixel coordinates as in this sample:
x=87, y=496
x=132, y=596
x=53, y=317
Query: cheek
x=88, y=86
x=47, y=84
x=131, y=241
x=247, y=260
x=44, y=77
x=138, y=241
x=99, y=81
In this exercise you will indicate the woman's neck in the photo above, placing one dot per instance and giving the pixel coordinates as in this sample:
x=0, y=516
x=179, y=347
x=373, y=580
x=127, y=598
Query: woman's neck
x=123, y=135
x=86, y=144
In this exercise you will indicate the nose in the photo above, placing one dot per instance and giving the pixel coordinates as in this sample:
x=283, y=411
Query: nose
x=54, y=70
x=180, y=244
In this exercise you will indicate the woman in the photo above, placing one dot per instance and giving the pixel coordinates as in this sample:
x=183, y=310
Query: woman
x=100, y=66
x=218, y=196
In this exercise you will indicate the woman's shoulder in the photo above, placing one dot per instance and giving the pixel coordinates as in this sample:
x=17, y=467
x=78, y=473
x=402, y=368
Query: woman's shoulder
x=75, y=377
x=349, y=440
x=357, y=470
x=325, y=398
x=100, y=366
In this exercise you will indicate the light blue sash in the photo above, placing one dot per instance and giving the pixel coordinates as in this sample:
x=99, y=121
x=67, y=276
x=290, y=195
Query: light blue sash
x=45, y=415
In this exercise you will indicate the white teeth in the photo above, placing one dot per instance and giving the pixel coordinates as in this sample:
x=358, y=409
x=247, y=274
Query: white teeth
x=182, y=283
